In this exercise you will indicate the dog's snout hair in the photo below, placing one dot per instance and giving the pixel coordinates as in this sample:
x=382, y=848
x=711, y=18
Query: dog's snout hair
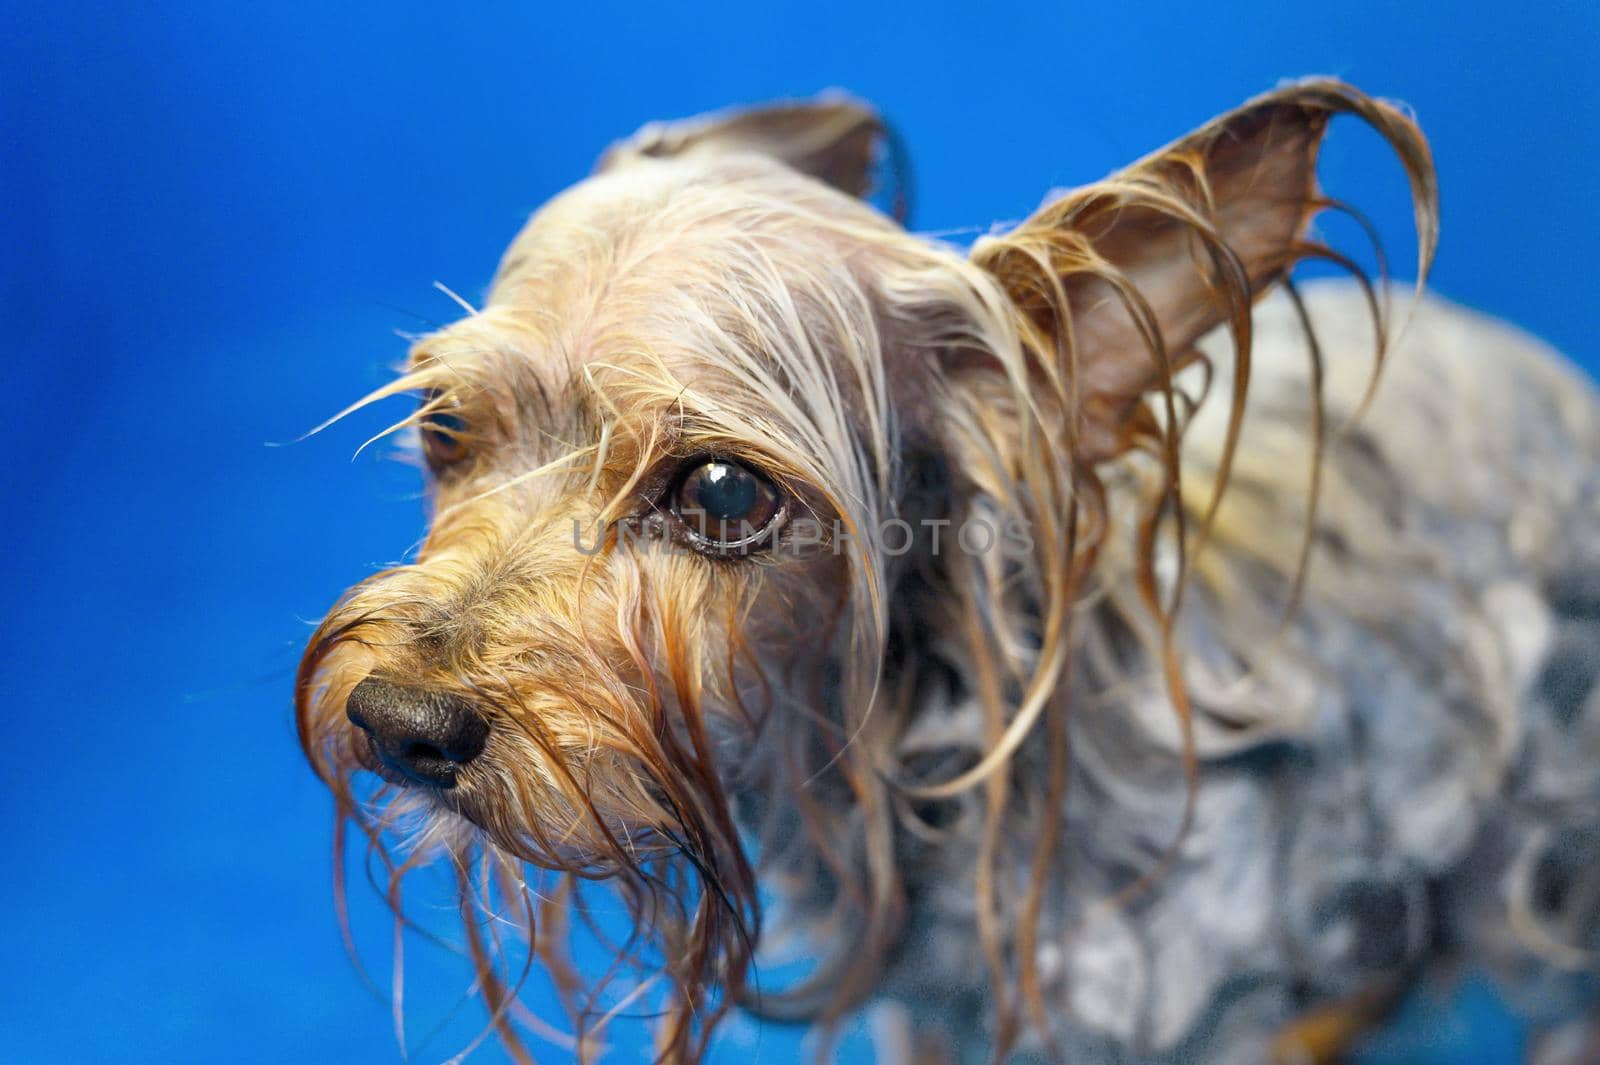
x=715, y=332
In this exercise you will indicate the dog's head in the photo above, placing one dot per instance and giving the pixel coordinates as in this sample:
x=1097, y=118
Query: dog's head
x=730, y=469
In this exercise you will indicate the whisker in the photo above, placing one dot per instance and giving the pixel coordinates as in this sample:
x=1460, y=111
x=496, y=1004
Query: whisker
x=459, y=302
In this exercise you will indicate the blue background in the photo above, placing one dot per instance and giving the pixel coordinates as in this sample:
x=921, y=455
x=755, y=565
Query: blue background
x=212, y=219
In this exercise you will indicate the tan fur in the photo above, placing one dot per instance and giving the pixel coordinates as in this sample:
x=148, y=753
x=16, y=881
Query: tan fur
x=706, y=294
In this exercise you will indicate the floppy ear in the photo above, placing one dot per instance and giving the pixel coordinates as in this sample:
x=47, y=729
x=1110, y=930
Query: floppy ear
x=833, y=138
x=1116, y=281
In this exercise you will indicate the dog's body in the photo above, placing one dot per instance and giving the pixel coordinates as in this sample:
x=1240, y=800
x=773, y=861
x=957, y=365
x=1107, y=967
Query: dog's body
x=1408, y=775
x=1144, y=773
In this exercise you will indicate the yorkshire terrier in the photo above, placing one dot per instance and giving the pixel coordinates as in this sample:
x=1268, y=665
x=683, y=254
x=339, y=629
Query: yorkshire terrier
x=1086, y=658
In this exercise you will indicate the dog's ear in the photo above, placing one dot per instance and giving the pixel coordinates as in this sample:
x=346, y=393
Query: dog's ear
x=1115, y=282
x=833, y=138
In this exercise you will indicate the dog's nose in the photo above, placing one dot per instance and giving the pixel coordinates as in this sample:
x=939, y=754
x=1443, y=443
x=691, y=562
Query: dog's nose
x=423, y=736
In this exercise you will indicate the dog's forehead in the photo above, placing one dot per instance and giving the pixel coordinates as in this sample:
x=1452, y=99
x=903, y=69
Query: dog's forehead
x=620, y=264
x=639, y=220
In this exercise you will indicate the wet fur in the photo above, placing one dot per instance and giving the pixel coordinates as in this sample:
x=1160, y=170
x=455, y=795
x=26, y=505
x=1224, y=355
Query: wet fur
x=1121, y=769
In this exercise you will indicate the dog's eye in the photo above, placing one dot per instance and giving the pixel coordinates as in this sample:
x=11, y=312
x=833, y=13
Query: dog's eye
x=443, y=439
x=726, y=506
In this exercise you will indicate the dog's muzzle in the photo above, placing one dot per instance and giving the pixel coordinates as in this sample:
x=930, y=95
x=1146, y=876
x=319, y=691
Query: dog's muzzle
x=423, y=737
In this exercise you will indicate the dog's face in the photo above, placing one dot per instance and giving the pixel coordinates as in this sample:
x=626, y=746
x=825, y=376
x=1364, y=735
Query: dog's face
x=637, y=451
x=685, y=465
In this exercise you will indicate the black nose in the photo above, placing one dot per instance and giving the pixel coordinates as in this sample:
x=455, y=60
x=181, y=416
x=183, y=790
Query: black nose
x=421, y=735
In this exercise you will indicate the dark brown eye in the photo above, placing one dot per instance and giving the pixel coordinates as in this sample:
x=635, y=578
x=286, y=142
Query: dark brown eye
x=726, y=506
x=443, y=439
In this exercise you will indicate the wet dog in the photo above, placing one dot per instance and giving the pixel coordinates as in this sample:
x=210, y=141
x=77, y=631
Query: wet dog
x=1086, y=657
